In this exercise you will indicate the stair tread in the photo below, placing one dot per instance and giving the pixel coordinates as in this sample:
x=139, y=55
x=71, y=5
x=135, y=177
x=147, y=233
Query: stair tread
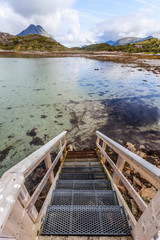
x=84, y=184
x=78, y=159
x=75, y=197
x=81, y=164
x=85, y=220
x=82, y=169
x=87, y=176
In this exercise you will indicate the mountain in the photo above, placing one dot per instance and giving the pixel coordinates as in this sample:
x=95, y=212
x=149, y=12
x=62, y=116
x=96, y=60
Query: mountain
x=111, y=43
x=33, y=29
x=127, y=40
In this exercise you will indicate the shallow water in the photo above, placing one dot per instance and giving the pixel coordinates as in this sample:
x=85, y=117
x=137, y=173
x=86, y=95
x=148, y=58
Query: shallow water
x=56, y=94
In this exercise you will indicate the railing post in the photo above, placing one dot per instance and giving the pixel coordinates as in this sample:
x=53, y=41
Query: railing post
x=97, y=143
x=65, y=149
x=60, y=147
x=104, y=148
x=120, y=166
x=48, y=163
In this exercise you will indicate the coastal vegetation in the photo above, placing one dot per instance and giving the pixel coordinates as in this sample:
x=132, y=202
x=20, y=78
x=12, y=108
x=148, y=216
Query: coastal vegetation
x=148, y=46
x=32, y=42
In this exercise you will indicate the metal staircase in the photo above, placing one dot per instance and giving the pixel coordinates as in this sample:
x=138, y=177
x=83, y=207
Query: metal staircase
x=83, y=202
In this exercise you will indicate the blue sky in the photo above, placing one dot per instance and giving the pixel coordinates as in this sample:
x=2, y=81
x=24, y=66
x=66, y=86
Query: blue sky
x=79, y=22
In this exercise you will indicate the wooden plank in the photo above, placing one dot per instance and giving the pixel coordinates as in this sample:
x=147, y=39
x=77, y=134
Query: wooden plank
x=120, y=165
x=32, y=161
x=150, y=172
x=142, y=205
x=23, y=219
x=5, y=235
x=41, y=185
x=24, y=198
x=10, y=185
x=16, y=229
x=48, y=163
x=149, y=223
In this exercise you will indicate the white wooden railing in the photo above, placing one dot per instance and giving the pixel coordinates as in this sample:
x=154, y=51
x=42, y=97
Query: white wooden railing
x=149, y=223
x=19, y=218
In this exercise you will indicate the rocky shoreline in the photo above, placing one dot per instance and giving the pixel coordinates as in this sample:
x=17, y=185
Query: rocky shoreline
x=150, y=62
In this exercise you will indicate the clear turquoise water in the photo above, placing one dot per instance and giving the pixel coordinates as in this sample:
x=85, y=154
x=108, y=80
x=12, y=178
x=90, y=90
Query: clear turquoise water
x=119, y=100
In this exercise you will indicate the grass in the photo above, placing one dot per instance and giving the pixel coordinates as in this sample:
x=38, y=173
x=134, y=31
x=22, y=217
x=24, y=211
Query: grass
x=32, y=43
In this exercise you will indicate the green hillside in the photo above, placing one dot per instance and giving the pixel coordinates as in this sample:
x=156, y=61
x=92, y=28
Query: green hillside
x=98, y=47
x=31, y=43
x=148, y=46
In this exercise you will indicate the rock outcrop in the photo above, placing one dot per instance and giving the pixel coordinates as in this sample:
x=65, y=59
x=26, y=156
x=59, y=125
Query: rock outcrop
x=33, y=29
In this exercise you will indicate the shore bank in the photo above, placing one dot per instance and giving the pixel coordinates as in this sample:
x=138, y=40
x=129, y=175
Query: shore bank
x=150, y=62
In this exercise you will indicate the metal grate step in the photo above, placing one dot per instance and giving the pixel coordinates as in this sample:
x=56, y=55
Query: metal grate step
x=82, y=170
x=83, y=185
x=81, y=160
x=85, y=220
x=101, y=198
x=82, y=164
x=87, y=176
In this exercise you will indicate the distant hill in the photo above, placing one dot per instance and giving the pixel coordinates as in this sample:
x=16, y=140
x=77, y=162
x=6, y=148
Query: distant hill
x=151, y=45
x=4, y=37
x=33, y=29
x=127, y=40
x=97, y=47
x=32, y=42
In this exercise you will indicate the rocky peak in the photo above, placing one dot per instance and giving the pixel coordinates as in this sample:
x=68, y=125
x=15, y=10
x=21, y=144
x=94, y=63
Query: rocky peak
x=33, y=29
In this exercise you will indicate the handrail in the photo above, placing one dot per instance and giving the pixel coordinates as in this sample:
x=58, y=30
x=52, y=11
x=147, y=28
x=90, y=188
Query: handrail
x=26, y=166
x=13, y=192
x=146, y=169
x=148, y=225
x=129, y=187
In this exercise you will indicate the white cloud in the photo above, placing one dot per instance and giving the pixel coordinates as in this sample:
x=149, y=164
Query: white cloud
x=28, y=8
x=132, y=25
x=57, y=17
x=9, y=20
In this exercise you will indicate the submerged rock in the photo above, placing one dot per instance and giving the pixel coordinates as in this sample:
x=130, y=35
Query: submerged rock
x=5, y=152
x=43, y=116
x=37, y=141
x=32, y=133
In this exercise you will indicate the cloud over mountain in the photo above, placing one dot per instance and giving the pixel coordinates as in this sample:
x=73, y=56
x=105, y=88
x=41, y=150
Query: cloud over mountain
x=126, y=26
x=29, y=8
